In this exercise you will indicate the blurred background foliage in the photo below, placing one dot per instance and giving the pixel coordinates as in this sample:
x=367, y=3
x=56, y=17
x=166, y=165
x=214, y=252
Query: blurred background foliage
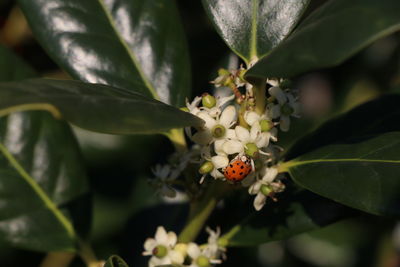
x=126, y=209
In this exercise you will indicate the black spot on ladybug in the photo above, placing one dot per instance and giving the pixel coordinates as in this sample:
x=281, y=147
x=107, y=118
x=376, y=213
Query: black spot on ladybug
x=230, y=165
x=238, y=163
x=233, y=171
x=242, y=167
x=241, y=173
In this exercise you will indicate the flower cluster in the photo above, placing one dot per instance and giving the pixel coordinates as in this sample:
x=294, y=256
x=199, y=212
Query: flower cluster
x=164, y=249
x=232, y=130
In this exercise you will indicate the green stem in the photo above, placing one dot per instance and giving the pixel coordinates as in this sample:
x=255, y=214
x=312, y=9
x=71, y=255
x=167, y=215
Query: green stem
x=88, y=256
x=259, y=90
x=59, y=259
x=177, y=137
x=226, y=237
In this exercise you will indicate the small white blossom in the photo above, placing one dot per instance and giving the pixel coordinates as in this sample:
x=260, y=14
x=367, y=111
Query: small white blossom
x=193, y=106
x=217, y=109
x=200, y=257
x=164, y=175
x=287, y=106
x=161, y=248
x=244, y=137
x=212, y=243
x=255, y=189
x=225, y=121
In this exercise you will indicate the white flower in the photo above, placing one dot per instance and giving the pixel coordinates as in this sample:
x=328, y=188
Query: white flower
x=161, y=248
x=200, y=257
x=219, y=162
x=193, y=106
x=287, y=106
x=213, y=247
x=257, y=188
x=164, y=176
x=217, y=128
x=245, y=137
x=217, y=109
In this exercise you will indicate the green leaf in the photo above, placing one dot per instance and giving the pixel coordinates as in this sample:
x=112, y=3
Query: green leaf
x=43, y=185
x=252, y=28
x=115, y=261
x=296, y=211
x=370, y=119
x=95, y=107
x=131, y=44
x=329, y=36
x=360, y=174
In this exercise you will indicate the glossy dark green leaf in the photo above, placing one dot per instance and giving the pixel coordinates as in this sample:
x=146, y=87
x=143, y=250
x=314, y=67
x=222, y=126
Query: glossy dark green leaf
x=115, y=261
x=372, y=118
x=330, y=35
x=252, y=28
x=361, y=174
x=48, y=189
x=131, y=44
x=296, y=211
x=97, y=107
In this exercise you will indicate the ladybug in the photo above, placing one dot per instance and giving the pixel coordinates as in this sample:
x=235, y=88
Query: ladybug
x=238, y=168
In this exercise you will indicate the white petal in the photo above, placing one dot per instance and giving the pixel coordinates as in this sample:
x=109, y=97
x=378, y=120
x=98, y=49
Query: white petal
x=275, y=111
x=154, y=261
x=232, y=147
x=263, y=140
x=278, y=94
x=176, y=257
x=218, y=146
x=255, y=131
x=228, y=116
x=223, y=100
x=274, y=134
x=202, y=137
x=172, y=238
x=296, y=109
x=193, y=250
x=220, y=161
x=255, y=188
x=214, y=112
x=216, y=174
x=251, y=117
x=270, y=174
x=161, y=236
x=284, y=124
x=209, y=121
x=259, y=201
x=150, y=244
x=242, y=134
x=230, y=134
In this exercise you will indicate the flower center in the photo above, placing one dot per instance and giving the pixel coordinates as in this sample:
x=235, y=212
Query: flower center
x=265, y=190
x=208, y=101
x=202, y=261
x=287, y=110
x=160, y=251
x=251, y=150
x=266, y=125
x=218, y=131
x=206, y=167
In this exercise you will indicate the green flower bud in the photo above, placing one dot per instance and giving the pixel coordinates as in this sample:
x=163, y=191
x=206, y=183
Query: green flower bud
x=266, y=190
x=208, y=101
x=160, y=251
x=251, y=150
x=218, y=131
x=223, y=72
x=203, y=261
x=287, y=110
x=266, y=125
x=206, y=167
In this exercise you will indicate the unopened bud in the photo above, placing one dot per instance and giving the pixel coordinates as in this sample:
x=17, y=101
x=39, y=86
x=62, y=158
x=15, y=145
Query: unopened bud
x=208, y=101
x=203, y=261
x=206, y=167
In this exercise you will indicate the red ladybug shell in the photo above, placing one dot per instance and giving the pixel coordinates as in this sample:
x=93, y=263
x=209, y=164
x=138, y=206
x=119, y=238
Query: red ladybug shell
x=238, y=169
